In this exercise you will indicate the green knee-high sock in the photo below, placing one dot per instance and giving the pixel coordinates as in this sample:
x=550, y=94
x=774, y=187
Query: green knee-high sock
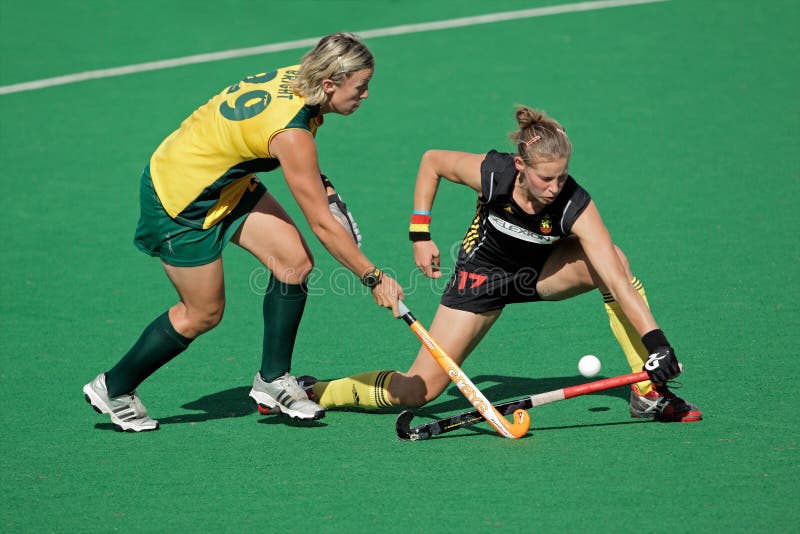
x=283, y=309
x=157, y=345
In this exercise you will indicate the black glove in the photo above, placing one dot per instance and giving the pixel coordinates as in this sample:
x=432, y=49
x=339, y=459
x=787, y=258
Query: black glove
x=662, y=364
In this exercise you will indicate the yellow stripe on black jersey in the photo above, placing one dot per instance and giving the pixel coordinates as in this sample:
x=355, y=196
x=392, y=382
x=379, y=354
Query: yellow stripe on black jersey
x=203, y=168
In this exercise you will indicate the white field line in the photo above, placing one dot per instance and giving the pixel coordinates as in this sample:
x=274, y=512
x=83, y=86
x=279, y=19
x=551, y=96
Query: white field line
x=311, y=41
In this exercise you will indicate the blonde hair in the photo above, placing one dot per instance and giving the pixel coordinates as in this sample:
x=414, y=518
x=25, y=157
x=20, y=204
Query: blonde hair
x=539, y=137
x=335, y=57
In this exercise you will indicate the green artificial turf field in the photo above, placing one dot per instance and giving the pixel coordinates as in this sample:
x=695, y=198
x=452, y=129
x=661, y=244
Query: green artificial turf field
x=684, y=117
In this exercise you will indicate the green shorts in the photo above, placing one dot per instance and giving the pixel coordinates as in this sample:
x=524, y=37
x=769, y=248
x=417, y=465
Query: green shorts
x=157, y=234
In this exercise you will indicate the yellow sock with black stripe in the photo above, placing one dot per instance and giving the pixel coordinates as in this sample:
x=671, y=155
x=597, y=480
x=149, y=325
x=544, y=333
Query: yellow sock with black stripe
x=627, y=336
x=367, y=391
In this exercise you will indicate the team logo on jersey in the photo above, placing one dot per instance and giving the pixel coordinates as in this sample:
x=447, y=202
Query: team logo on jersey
x=508, y=209
x=519, y=232
x=546, y=226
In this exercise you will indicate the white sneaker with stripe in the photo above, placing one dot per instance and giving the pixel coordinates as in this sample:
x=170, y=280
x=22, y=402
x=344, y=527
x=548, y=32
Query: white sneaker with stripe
x=284, y=395
x=126, y=411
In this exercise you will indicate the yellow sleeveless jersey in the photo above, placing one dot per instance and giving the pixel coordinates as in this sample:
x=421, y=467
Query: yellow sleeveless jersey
x=201, y=171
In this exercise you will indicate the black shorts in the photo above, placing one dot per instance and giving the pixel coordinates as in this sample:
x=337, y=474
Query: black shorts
x=477, y=289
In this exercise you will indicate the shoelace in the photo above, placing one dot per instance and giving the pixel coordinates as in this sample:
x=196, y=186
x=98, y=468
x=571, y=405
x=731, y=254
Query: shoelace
x=291, y=386
x=654, y=405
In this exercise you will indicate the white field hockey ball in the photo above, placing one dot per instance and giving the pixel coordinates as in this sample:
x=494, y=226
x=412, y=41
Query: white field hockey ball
x=589, y=366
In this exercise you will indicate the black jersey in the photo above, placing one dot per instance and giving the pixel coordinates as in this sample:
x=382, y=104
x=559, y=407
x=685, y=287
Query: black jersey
x=504, y=236
x=502, y=254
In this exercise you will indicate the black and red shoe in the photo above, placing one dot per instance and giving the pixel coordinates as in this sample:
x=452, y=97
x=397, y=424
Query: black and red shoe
x=663, y=405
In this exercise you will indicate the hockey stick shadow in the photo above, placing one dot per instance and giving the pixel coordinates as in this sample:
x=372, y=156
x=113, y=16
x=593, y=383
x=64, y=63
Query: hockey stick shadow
x=478, y=431
x=288, y=421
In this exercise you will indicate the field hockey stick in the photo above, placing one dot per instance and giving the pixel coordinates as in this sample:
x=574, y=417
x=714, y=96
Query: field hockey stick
x=483, y=407
x=454, y=422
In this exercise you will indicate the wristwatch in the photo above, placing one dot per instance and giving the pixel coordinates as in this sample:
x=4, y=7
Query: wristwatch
x=372, y=278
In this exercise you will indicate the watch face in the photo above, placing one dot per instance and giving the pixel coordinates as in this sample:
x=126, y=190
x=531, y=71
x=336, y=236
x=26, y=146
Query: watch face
x=372, y=279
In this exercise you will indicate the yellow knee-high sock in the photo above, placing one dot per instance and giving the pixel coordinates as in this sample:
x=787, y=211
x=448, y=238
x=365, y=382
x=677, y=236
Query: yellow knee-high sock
x=627, y=336
x=367, y=391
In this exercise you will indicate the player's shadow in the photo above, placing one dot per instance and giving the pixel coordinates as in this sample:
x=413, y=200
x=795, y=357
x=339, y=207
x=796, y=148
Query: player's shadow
x=229, y=403
x=225, y=404
x=234, y=402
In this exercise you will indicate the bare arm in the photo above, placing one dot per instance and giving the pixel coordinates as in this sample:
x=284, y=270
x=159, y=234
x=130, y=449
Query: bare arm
x=458, y=167
x=297, y=152
x=661, y=365
x=596, y=242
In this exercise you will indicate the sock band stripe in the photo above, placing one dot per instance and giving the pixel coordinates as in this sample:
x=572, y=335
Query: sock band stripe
x=637, y=285
x=379, y=390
